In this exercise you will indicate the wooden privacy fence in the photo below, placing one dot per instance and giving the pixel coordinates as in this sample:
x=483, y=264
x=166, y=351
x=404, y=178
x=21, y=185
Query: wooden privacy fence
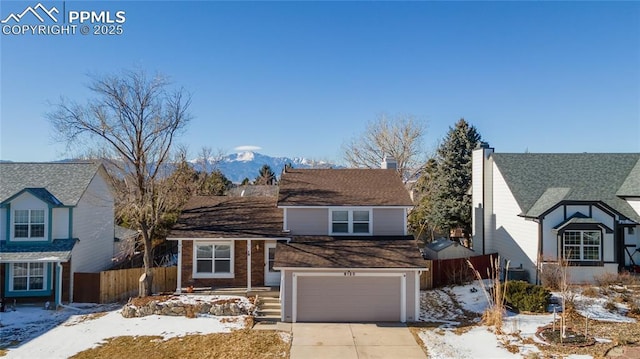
x=443, y=272
x=120, y=285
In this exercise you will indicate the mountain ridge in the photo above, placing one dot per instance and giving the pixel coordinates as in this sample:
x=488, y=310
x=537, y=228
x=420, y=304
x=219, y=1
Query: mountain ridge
x=246, y=164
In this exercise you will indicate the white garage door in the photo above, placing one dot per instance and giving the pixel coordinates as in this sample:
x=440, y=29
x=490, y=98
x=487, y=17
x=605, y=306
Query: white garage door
x=348, y=299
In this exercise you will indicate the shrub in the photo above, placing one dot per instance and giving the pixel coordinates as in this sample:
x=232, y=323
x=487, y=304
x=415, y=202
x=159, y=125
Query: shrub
x=610, y=305
x=634, y=310
x=551, y=276
x=609, y=279
x=527, y=297
x=591, y=292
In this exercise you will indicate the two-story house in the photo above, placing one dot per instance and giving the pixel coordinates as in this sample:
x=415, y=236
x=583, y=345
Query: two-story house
x=56, y=219
x=350, y=257
x=535, y=209
x=334, y=240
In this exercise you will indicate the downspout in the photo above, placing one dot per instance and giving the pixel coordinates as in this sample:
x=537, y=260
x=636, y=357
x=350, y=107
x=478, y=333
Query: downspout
x=540, y=243
x=59, y=290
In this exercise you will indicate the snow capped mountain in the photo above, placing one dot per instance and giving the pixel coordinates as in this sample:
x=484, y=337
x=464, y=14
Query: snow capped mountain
x=247, y=164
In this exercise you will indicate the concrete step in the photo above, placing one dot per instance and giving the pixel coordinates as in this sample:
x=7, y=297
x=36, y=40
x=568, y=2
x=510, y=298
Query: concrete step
x=270, y=306
x=269, y=311
x=269, y=300
x=269, y=318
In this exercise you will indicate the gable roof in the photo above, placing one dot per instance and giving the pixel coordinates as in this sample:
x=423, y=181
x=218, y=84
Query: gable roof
x=349, y=252
x=538, y=181
x=65, y=181
x=40, y=193
x=342, y=187
x=580, y=219
x=229, y=217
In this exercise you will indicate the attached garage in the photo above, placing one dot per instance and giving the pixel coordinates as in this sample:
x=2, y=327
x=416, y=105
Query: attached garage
x=339, y=279
x=336, y=297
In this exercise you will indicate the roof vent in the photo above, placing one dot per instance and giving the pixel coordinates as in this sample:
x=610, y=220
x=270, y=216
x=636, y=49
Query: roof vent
x=389, y=163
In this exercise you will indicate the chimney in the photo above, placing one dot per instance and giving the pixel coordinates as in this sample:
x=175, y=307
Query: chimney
x=481, y=196
x=389, y=163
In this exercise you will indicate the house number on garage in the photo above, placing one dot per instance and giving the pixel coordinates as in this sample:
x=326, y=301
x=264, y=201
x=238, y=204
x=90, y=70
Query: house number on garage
x=349, y=273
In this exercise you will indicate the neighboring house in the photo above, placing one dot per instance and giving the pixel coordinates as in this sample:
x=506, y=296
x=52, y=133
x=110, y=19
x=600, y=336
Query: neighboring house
x=444, y=248
x=56, y=219
x=536, y=209
x=334, y=240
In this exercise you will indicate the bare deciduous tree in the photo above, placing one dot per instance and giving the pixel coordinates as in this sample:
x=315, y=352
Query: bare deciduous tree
x=399, y=136
x=135, y=118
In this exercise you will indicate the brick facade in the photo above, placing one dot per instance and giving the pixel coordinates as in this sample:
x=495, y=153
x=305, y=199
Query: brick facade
x=240, y=266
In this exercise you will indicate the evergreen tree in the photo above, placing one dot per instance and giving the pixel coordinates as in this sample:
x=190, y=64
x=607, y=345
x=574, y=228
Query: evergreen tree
x=245, y=182
x=450, y=205
x=215, y=183
x=443, y=189
x=265, y=176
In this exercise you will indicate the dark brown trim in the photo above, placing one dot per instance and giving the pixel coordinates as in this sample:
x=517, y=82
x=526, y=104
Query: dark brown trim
x=599, y=204
x=587, y=263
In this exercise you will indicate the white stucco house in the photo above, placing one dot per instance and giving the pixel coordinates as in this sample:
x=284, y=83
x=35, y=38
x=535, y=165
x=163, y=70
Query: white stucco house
x=56, y=219
x=534, y=209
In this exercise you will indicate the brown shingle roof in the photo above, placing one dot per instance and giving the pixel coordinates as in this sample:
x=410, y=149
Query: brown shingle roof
x=229, y=217
x=349, y=252
x=342, y=187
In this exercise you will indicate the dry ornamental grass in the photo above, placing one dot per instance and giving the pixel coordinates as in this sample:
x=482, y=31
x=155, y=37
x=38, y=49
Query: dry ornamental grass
x=238, y=344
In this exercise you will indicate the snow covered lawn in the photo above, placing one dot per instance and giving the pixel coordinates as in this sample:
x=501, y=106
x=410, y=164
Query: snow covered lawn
x=456, y=312
x=33, y=332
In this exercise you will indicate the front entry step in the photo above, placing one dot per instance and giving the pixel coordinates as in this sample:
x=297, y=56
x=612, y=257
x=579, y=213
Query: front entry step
x=269, y=309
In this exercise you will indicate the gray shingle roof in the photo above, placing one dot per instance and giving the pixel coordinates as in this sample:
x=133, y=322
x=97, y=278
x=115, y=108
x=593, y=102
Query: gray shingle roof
x=58, y=250
x=440, y=244
x=539, y=181
x=349, y=252
x=342, y=187
x=631, y=186
x=229, y=217
x=65, y=181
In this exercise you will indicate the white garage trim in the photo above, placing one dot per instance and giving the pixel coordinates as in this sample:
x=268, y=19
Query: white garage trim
x=416, y=313
x=349, y=273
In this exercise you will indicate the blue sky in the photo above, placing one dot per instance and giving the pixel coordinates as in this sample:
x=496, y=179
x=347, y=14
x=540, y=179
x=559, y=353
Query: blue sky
x=301, y=78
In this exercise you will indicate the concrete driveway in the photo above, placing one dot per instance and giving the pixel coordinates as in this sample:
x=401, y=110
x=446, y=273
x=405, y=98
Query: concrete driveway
x=353, y=340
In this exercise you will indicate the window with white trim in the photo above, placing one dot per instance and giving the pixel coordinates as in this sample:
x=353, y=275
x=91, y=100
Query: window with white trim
x=28, y=223
x=28, y=276
x=213, y=260
x=350, y=221
x=582, y=245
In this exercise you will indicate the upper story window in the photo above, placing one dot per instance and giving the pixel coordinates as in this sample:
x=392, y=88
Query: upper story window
x=350, y=221
x=582, y=245
x=213, y=260
x=28, y=223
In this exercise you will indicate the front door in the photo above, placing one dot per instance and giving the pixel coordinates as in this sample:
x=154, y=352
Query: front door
x=271, y=276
